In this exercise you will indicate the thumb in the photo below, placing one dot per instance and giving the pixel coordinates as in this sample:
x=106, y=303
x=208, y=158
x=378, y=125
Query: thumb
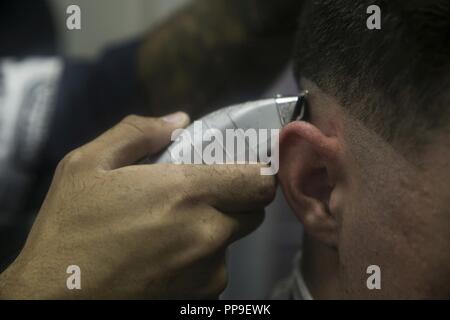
x=132, y=139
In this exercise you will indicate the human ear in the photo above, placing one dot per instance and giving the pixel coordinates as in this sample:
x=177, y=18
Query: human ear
x=310, y=171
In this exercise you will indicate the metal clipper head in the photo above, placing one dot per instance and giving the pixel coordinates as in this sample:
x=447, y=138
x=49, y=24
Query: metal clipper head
x=292, y=108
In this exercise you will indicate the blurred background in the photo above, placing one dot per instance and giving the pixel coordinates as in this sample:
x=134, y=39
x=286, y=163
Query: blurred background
x=108, y=21
x=103, y=22
x=257, y=262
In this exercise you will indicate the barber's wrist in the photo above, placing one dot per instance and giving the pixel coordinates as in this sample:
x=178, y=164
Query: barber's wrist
x=18, y=283
x=10, y=288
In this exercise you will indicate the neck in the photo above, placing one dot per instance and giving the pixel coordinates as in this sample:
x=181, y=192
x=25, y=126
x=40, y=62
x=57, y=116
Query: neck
x=320, y=269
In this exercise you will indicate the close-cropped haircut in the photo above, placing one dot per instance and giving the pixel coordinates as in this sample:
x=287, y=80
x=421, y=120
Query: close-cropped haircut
x=395, y=79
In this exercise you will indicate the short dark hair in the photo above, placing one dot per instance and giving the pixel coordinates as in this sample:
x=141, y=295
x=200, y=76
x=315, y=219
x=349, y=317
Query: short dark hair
x=396, y=79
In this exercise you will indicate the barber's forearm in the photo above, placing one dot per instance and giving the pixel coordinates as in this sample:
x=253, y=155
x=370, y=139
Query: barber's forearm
x=13, y=286
x=215, y=52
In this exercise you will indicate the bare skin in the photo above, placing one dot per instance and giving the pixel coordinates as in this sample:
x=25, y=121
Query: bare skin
x=104, y=218
x=137, y=231
x=364, y=201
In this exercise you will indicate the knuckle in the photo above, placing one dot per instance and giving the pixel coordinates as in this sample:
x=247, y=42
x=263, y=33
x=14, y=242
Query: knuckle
x=73, y=161
x=172, y=181
x=141, y=123
x=205, y=239
x=267, y=190
x=134, y=123
x=143, y=128
x=213, y=237
x=179, y=176
x=187, y=179
x=132, y=119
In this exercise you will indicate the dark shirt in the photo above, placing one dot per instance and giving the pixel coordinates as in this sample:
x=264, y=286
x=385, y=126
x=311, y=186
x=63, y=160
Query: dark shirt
x=49, y=107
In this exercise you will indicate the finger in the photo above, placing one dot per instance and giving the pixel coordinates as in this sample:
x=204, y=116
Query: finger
x=217, y=229
x=132, y=139
x=231, y=188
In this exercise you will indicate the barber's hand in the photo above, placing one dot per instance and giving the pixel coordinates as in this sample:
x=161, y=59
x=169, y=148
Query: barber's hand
x=137, y=231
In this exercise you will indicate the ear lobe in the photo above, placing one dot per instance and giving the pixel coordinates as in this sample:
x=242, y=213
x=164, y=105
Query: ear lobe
x=309, y=165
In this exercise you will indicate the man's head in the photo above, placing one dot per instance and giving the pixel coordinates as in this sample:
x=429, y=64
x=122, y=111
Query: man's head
x=369, y=176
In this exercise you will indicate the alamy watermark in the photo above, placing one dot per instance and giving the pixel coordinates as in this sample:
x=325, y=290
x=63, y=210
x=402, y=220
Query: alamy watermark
x=73, y=21
x=373, y=282
x=374, y=20
x=233, y=146
x=73, y=281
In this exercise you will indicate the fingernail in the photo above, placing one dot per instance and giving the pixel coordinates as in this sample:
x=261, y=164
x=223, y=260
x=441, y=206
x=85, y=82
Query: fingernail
x=176, y=118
